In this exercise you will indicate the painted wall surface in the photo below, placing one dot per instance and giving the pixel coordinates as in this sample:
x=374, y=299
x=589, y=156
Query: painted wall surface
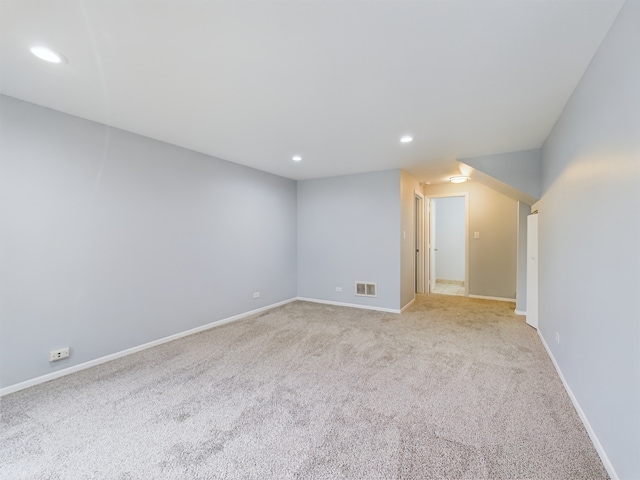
x=348, y=231
x=521, y=270
x=111, y=240
x=492, y=257
x=408, y=188
x=450, y=238
x=589, y=239
x=521, y=170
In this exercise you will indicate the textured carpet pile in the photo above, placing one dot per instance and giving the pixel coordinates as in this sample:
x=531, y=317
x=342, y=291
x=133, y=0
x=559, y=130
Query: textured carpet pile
x=452, y=388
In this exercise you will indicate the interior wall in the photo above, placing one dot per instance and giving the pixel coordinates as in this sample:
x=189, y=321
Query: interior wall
x=111, y=240
x=450, y=238
x=521, y=170
x=493, y=256
x=589, y=236
x=408, y=188
x=348, y=231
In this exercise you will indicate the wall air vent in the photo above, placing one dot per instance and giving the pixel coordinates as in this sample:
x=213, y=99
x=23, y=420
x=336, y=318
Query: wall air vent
x=366, y=289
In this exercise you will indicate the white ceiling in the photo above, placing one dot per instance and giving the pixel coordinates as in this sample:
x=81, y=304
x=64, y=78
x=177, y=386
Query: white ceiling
x=337, y=82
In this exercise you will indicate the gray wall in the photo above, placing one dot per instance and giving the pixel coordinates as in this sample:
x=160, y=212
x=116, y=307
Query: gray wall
x=521, y=271
x=589, y=240
x=450, y=238
x=492, y=257
x=111, y=240
x=348, y=231
x=521, y=170
x=408, y=188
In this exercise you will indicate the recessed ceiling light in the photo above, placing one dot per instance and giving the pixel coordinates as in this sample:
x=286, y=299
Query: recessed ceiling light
x=406, y=139
x=48, y=55
x=458, y=179
x=296, y=158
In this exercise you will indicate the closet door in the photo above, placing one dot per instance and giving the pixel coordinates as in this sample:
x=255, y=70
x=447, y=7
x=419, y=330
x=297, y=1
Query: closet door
x=532, y=270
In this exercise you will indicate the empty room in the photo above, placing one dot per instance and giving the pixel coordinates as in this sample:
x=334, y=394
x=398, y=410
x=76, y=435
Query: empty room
x=320, y=239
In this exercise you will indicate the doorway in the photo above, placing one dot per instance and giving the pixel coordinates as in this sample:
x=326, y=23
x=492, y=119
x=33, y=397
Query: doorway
x=448, y=244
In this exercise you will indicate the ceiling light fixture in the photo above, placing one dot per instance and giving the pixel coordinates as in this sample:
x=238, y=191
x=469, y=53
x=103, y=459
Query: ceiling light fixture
x=406, y=139
x=458, y=179
x=48, y=55
x=296, y=158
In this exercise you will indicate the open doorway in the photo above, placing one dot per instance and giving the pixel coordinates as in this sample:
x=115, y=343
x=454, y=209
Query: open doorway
x=448, y=244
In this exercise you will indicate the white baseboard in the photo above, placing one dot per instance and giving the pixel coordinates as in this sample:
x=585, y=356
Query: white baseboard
x=408, y=305
x=107, y=358
x=500, y=299
x=352, y=305
x=592, y=434
x=520, y=312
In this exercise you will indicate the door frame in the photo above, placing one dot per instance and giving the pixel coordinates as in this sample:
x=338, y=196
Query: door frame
x=431, y=281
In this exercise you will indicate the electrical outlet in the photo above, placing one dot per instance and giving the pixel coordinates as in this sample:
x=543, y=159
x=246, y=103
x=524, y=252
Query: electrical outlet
x=339, y=289
x=55, y=355
x=256, y=294
x=557, y=338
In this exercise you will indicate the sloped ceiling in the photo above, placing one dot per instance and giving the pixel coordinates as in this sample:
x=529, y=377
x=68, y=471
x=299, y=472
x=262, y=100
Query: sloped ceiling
x=337, y=82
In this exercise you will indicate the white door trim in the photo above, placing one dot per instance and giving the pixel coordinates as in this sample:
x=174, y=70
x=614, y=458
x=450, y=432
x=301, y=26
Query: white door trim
x=466, y=235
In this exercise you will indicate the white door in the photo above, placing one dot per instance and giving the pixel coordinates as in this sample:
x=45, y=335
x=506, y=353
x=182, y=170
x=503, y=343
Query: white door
x=532, y=270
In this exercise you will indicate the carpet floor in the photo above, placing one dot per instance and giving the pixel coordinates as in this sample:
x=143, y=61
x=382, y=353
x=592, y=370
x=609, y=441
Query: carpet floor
x=453, y=388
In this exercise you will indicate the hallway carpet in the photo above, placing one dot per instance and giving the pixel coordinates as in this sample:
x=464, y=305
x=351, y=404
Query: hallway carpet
x=452, y=388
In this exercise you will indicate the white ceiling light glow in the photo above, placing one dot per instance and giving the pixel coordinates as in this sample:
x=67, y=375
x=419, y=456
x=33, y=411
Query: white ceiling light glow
x=458, y=179
x=48, y=55
x=296, y=158
x=406, y=139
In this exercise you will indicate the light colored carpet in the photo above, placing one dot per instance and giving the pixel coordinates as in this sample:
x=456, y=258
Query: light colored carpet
x=453, y=388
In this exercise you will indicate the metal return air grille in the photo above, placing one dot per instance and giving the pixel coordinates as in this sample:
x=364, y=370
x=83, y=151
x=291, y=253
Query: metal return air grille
x=366, y=289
